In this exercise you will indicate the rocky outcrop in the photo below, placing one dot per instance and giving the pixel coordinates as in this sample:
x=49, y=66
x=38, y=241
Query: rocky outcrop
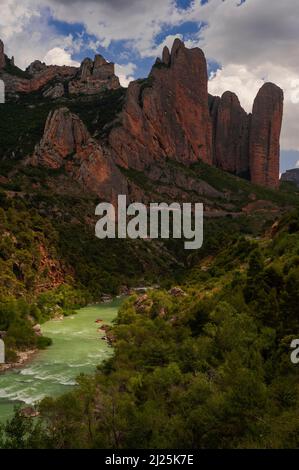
x=291, y=176
x=230, y=134
x=91, y=78
x=36, y=67
x=67, y=144
x=170, y=115
x=264, y=148
x=244, y=144
x=16, y=84
x=166, y=115
x=2, y=56
x=54, y=92
x=94, y=77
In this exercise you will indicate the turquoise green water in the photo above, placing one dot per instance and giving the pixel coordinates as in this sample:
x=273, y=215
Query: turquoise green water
x=78, y=347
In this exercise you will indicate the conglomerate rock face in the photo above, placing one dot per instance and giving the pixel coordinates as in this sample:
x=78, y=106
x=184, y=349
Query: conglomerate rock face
x=167, y=115
x=91, y=78
x=67, y=144
x=292, y=176
x=170, y=115
x=230, y=134
x=2, y=56
x=94, y=77
x=265, y=132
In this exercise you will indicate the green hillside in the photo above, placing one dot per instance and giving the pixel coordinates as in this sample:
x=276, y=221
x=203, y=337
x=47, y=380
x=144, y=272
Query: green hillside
x=206, y=365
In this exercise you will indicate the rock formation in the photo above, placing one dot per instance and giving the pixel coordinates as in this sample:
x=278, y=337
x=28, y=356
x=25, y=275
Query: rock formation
x=67, y=143
x=2, y=56
x=167, y=115
x=91, y=78
x=291, y=176
x=54, y=92
x=170, y=115
x=39, y=78
x=94, y=77
x=248, y=145
x=264, y=149
x=230, y=134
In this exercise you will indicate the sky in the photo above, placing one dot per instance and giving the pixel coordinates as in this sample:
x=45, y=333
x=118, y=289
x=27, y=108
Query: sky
x=246, y=42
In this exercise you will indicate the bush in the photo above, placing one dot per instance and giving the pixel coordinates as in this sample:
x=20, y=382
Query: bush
x=43, y=342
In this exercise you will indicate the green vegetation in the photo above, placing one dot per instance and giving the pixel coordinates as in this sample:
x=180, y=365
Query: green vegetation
x=51, y=263
x=43, y=224
x=21, y=128
x=99, y=114
x=208, y=369
x=22, y=123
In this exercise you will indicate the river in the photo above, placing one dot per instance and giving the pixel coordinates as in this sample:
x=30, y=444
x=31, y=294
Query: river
x=77, y=347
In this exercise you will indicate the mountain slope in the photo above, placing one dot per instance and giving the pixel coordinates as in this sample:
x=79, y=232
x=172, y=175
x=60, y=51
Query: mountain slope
x=206, y=365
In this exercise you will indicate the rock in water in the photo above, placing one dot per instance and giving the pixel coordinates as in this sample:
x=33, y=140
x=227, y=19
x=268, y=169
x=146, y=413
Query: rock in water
x=264, y=150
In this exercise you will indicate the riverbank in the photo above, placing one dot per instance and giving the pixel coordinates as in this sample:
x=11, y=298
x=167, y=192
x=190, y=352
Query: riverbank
x=24, y=357
x=77, y=348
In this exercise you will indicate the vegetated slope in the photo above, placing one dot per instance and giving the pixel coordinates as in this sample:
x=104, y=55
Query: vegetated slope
x=206, y=365
x=47, y=220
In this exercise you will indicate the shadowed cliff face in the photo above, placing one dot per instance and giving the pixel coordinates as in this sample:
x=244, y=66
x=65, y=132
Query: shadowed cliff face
x=167, y=115
x=265, y=136
x=67, y=144
x=230, y=134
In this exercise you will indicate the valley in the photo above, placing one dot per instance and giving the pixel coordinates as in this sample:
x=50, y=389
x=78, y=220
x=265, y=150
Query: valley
x=203, y=361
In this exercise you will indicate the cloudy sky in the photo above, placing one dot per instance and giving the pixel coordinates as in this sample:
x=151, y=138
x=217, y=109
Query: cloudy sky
x=246, y=42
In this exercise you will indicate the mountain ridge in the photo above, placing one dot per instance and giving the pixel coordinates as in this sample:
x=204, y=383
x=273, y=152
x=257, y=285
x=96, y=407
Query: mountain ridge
x=170, y=115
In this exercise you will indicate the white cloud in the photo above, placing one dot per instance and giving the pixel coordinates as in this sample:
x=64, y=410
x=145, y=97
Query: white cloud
x=136, y=21
x=28, y=35
x=58, y=56
x=240, y=80
x=156, y=51
x=125, y=73
x=297, y=164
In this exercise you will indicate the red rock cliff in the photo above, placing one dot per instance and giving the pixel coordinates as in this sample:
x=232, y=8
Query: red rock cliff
x=230, y=134
x=2, y=56
x=265, y=131
x=67, y=143
x=167, y=115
